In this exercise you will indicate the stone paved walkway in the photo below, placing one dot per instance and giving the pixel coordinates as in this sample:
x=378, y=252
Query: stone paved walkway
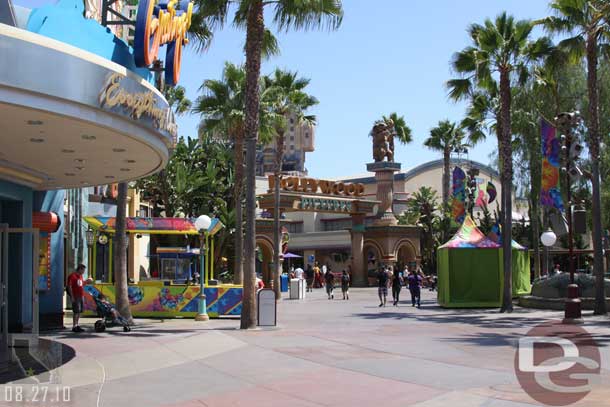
x=324, y=353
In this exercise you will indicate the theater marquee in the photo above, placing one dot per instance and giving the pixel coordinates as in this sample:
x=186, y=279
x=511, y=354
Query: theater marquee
x=323, y=205
x=314, y=186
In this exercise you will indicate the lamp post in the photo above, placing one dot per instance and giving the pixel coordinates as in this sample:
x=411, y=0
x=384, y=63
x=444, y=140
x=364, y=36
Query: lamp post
x=548, y=239
x=567, y=122
x=202, y=223
x=90, y=237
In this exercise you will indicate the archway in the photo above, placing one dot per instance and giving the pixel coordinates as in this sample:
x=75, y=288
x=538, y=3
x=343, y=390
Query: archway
x=264, y=257
x=372, y=258
x=405, y=254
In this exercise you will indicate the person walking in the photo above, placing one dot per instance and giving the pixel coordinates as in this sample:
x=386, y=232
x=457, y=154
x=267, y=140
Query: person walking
x=397, y=282
x=414, y=281
x=309, y=275
x=318, y=282
x=345, y=285
x=330, y=283
x=77, y=295
x=382, y=286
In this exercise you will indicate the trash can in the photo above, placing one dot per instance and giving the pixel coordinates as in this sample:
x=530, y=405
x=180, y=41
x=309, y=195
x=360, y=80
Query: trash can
x=284, y=283
x=297, y=289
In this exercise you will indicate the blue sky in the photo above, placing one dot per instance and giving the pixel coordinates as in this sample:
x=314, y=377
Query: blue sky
x=388, y=55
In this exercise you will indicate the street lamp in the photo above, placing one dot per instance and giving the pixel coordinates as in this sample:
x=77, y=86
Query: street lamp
x=568, y=122
x=202, y=223
x=90, y=237
x=548, y=239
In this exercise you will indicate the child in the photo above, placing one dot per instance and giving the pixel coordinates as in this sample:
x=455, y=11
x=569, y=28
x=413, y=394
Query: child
x=109, y=306
x=345, y=285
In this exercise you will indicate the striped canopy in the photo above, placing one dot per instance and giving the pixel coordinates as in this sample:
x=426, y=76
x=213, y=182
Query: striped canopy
x=184, y=226
x=469, y=236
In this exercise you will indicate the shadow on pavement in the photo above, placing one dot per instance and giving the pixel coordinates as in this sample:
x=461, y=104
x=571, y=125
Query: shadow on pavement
x=37, y=361
x=431, y=312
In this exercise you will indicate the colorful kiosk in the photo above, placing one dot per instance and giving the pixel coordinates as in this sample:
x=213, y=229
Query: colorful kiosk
x=470, y=270
x=171, y=289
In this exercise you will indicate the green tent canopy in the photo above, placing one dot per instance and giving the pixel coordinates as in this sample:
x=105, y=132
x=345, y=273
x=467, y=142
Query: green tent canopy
x=470, y=270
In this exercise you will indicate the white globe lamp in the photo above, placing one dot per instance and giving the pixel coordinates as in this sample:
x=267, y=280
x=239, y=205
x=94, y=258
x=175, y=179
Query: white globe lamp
x=548, y=238
x=202, y=223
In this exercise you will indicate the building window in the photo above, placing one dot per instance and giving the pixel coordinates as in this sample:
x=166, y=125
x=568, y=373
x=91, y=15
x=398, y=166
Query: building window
x=291, y=120
x=291, y=148
x=291, y=129
x=307, y=135
x=295, y=227
x=291, y=138
x=337, y=224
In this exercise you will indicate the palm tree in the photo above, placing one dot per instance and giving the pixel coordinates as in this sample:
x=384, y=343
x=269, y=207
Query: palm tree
x=526, y=126
x=422, y=206
x=177, y=100
x=287, y=14
x=401, y=131
x=501, y=46
x=222, y=107
x=446, y=138
x=289, y=102
x=120, y=253
x=586, y=22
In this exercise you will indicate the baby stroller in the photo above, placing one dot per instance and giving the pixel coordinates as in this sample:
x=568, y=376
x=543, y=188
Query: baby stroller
x=108, y=317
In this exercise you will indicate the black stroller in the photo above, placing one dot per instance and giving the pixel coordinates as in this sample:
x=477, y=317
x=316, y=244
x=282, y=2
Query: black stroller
x=109, y=318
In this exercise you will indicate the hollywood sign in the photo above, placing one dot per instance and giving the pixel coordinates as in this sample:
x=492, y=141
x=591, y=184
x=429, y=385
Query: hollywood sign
x=314, y=186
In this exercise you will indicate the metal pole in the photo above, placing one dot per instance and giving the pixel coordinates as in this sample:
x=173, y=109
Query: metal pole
x=207, y=264
x=202, y=315
x=212, y=257
x=572, y=313
x=569, y=196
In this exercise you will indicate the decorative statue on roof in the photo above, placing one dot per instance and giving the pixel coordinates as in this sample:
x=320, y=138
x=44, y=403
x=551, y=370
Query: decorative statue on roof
x=383, y=140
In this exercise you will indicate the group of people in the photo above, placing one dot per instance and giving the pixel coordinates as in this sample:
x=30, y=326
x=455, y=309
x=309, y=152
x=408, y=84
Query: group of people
x=317, y=277
x=329, y=279
x=393, y=278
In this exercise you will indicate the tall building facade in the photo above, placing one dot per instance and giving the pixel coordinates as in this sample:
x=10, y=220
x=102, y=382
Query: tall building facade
x=299, y=140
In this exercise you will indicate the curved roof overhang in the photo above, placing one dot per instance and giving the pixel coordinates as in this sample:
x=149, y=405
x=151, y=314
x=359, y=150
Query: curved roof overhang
x=69, y=118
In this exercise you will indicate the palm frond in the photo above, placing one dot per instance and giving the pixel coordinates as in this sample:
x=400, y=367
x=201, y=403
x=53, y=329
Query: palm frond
x=459, y=89
x=308, y=14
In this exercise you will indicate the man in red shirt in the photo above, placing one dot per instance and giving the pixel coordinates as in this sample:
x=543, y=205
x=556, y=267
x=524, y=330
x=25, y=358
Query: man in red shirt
x=77, y=293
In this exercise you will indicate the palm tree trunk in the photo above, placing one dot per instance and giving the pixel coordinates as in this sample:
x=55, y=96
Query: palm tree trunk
x=507, y=181
x=238, y=273
x=120, y=254
x=592, y=86
x=277, y=247
x=254, y=41
x=446, y=166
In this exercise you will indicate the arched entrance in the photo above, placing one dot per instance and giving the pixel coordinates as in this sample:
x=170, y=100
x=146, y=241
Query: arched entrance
x=405, y=254
x=372, y=259
x=264, y=257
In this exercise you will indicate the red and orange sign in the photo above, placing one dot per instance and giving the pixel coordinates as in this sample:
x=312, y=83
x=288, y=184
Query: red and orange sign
x=156, y=25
